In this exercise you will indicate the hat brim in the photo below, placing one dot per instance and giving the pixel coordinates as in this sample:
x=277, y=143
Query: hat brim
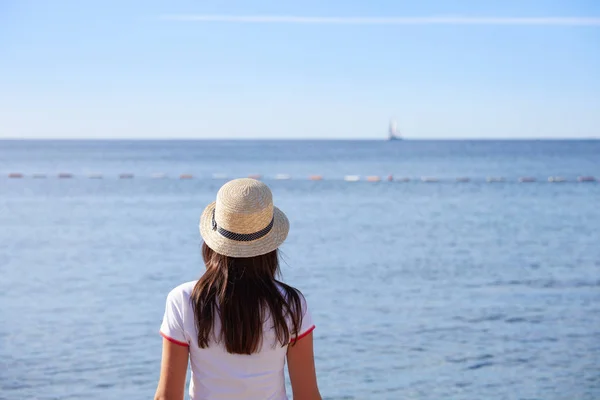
x=232, y=248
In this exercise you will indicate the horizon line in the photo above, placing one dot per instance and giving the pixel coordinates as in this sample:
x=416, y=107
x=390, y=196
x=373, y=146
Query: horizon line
x=407, y=139
x=340, y=20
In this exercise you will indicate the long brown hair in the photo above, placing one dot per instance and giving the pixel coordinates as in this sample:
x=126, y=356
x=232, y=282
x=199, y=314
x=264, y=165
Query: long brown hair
x=242, y=292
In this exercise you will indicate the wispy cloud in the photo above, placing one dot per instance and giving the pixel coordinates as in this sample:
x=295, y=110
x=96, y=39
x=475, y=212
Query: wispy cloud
x=444, y=20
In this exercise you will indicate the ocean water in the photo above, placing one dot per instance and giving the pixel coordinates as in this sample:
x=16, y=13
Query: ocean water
x=438, y=290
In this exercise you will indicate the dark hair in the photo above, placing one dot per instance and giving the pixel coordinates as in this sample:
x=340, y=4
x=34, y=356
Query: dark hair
x=243, y=292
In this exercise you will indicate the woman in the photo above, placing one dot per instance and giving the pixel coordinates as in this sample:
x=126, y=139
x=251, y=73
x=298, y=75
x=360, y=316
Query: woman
x=237, y=323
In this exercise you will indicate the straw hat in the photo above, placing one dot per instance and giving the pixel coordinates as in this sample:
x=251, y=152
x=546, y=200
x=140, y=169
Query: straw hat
x=243, y=221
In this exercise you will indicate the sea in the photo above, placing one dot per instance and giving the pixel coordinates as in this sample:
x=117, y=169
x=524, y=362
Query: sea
x=422, y=286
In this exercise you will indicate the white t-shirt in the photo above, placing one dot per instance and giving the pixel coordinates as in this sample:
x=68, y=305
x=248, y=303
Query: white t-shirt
x=219, y=375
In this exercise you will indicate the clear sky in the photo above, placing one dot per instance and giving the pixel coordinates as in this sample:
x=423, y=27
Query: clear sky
x=301, y=69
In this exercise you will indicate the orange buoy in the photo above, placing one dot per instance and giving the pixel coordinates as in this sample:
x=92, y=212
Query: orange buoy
x=186, y=176
x=373, y=178
x=586, y=179
x=315, y=178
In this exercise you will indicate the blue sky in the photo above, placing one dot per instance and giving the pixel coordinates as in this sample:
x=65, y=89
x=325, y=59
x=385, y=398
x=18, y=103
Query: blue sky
x=124, y=69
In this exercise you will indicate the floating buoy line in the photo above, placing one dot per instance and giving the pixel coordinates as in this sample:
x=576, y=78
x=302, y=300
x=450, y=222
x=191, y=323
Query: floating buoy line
x=318, y=177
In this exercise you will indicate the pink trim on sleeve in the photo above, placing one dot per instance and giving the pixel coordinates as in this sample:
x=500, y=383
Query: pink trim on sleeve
x=170, y=339
x=309, y=330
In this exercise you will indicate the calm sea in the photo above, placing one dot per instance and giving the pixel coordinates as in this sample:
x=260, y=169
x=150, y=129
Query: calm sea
x=439, y=290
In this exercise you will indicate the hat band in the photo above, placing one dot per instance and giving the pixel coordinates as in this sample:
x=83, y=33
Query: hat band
x=241, y=237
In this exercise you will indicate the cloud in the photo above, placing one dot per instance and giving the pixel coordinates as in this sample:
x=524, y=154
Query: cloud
x=447, y=20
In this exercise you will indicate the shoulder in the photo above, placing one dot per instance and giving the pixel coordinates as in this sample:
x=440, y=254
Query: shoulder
x=181, y=294
x=286, y=289
x=291, y=293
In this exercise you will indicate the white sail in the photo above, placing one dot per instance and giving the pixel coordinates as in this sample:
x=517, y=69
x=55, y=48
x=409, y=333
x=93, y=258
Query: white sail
x=393, y=131
x=393, y=128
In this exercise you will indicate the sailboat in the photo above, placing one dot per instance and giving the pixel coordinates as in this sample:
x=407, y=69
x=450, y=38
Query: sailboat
x=393, y=131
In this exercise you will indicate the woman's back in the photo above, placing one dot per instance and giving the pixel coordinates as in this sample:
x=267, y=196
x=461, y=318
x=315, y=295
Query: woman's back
x=217, y=374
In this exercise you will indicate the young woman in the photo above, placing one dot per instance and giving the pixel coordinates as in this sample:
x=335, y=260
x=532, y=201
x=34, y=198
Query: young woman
x=237, y=324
